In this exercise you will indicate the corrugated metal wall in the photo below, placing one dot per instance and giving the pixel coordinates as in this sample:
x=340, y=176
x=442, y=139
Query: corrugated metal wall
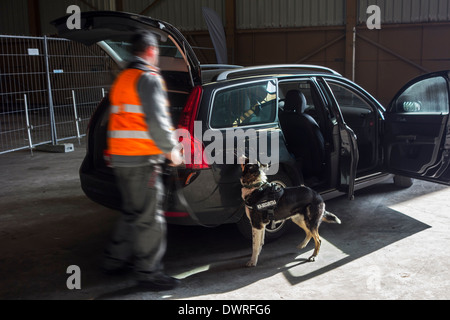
x=14, y=17
x=250, y=14
x=258, y=14
x=183, y=14
x=51, y=9
x=408, y=11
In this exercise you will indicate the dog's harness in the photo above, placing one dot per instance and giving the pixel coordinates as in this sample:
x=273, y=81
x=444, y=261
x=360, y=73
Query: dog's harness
x=255, y=185
x=265, y=199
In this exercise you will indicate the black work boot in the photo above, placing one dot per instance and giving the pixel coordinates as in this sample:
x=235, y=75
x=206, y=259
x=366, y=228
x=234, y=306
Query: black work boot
x=159, y=282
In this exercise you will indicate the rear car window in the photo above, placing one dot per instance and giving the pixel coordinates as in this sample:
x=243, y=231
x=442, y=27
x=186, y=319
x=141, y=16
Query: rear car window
x=170, y=56
x=123, y=49
x=245, y=105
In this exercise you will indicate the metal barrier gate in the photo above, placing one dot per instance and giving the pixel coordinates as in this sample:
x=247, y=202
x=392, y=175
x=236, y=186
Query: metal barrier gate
x=49, y=87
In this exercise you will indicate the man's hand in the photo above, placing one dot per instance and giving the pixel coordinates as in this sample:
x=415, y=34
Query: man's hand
x=175, y=158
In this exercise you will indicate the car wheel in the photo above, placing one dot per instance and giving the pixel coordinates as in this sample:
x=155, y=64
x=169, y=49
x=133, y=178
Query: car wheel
x=403, y=182
x=274, y=230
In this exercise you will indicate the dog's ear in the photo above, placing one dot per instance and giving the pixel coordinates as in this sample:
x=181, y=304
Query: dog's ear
x=263, y=166
x=243, y=160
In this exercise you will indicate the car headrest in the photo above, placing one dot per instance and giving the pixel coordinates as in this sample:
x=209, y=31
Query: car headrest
x=295, y=101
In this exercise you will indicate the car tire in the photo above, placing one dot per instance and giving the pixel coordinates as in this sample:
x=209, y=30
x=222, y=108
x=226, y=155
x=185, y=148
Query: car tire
x=403, y=182
x=274, y=230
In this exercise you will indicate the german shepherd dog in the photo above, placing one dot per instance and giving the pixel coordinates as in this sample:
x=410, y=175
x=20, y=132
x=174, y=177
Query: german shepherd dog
x=304, y=206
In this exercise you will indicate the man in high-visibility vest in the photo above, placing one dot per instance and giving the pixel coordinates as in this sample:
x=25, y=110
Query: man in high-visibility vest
x=140, y=139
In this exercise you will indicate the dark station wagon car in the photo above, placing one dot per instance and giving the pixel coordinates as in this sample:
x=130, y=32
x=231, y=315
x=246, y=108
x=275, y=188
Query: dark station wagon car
x=325, y=131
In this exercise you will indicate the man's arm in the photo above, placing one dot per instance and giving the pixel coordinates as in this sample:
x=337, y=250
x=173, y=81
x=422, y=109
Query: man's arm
x=155, y=104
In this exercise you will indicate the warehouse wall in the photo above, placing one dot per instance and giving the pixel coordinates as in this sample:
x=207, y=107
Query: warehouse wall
x=420, y=49
x=185, y=15
x=385, y=59
x=14, y=17
x=412, y=39
x=257, y=14
x=408, y=11
x=250, y=14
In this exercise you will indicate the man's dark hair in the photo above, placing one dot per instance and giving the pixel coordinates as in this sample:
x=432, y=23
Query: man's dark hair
x=142, y=40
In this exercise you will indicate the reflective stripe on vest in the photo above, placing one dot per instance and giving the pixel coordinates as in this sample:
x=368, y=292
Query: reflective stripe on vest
x=128, y=132
x=131, y=108
x=122, y=134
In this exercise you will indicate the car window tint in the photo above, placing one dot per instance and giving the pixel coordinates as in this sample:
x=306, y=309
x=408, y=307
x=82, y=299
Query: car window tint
x=245, y=105
x=427, y=96
x=306, y=88
x=348, y=98
x=123, y=49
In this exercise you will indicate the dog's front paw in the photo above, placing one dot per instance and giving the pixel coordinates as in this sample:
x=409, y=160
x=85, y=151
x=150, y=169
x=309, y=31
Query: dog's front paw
x=312, y=259
x=251, y=264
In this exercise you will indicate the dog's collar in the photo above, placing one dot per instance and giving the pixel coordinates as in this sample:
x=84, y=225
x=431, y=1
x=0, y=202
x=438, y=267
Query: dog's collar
x=255, y=185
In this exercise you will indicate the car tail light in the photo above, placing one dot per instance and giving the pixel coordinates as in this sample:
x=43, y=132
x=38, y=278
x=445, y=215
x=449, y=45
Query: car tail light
x=170, y=214
x=190, y=110
x=187, y=120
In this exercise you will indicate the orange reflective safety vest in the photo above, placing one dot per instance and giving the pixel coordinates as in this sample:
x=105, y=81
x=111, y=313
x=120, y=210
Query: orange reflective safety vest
x=128, y=132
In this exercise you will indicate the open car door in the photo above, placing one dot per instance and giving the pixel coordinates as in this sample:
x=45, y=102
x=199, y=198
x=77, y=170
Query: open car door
x=417, y=133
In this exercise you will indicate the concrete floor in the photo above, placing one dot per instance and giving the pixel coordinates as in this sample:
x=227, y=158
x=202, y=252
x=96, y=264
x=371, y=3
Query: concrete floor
x=393, y=244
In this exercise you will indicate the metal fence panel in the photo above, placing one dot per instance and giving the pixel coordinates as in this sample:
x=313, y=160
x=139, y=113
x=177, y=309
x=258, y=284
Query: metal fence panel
x=79, y=76
x=49, y=88
x=22, y=94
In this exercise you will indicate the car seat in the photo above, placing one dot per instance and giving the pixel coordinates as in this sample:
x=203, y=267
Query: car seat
x=302, y=133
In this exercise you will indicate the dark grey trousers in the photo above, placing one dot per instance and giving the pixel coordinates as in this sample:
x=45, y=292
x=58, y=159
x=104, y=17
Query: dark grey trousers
x=140, y=233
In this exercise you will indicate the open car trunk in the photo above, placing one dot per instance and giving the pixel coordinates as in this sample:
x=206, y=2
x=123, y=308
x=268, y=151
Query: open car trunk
x=112, y=31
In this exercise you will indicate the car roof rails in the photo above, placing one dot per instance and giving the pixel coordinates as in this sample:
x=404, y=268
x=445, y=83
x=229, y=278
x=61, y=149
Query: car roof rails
x=211, y=71
x=219, y=66
x=283, y=68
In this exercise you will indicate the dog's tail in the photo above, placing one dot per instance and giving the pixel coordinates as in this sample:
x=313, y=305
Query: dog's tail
x=330, y=218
